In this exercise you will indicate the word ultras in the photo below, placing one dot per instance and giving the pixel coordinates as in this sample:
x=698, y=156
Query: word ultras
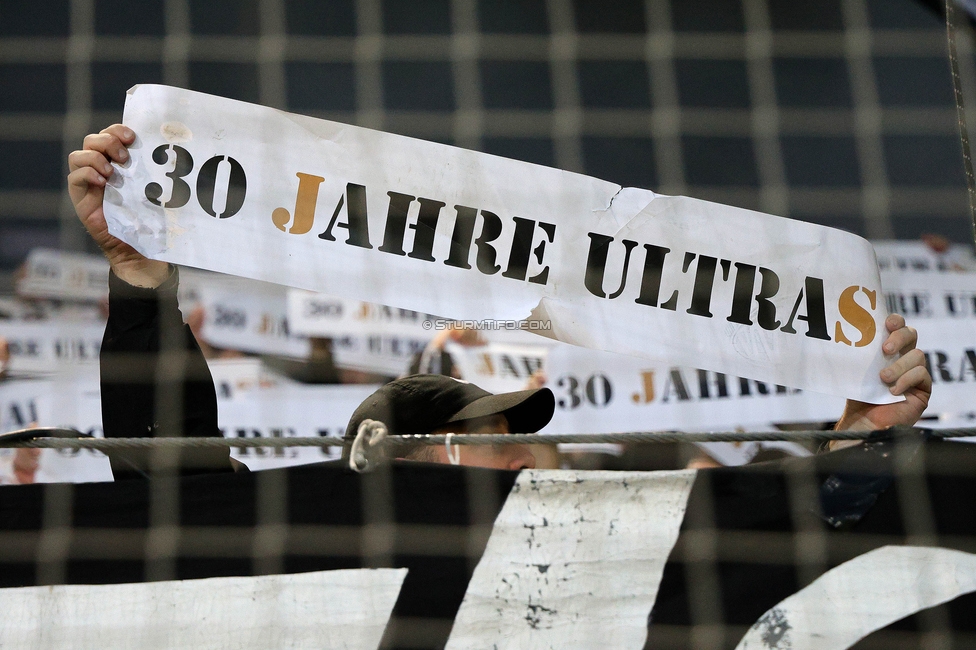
x=753, y=286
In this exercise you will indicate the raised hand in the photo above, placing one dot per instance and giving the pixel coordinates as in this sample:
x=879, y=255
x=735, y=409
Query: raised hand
x=89, y=171
x=906, y=376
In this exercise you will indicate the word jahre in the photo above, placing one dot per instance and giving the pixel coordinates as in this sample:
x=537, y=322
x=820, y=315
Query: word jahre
x=462, y=238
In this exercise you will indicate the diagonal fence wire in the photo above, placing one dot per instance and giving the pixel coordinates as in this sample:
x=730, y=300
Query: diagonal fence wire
x=967, y=158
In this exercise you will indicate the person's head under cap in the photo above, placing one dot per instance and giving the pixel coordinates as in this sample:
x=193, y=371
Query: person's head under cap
x=435, y=404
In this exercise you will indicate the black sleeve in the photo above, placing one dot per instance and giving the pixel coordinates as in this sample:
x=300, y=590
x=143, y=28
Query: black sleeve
x=154, y=379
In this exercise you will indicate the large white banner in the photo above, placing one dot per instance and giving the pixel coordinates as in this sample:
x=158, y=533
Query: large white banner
x=862, y=595
x=381, y=354
x=255, y=192
x=931, y=295
x=234, y=376
x=257, y=317
x=574, y=561
x=596, y=392
x=253, y=318
x=950, y=351
x=67, y=400
x=322, y=609
x=49, y=346
x=284, y=410
x=295, y=411
x=316, y=314
x=62, y=275
x=602, y=392
x=505, y=367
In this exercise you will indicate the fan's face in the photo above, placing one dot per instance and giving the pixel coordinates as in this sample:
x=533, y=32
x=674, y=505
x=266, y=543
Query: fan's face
x=491, y=456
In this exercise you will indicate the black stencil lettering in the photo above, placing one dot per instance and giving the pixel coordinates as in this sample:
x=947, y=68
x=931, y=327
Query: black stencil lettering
x=768, y=286
x=701, y=296
x=324, y=433
x=278, y=433
x=236, y=187
x=461, y=238
x=651, y=277
x=745, y=280
x=950, y=305
x=518, y=258
x=968, y=365
x=239, y=433
x=423, y=238
x=183, y=165
x=572, y=387
x=746, y=391
x=676, y=383
x=543, y=276
x=599, y=391
x=531, y=364
x=921, y=303
x=816, y=316
x=396, y=223
x=596, y=264
x=940, y=369
x=24, y=415
x=721, y=384
x=507, y=367
x=892, y=301
x=357, y=224
x=490, y=230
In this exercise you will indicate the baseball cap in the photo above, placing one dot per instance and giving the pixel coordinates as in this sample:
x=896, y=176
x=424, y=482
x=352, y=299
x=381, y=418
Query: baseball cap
x=418, y=404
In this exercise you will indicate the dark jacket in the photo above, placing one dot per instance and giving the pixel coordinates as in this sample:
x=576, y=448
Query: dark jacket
x=154, y=380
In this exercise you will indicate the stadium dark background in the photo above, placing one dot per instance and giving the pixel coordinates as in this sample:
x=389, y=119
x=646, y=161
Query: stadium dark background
x=838, y=112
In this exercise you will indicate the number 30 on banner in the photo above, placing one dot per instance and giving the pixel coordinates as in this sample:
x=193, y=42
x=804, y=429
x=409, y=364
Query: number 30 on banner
x=597, y=390
x=206, y=182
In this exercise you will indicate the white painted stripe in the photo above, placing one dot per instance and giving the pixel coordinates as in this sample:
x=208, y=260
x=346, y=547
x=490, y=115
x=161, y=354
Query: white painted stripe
x=326, y=609
x=574, y=561
x=862, y=595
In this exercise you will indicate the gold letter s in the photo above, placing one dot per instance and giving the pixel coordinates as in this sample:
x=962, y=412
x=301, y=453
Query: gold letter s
x=857, y=316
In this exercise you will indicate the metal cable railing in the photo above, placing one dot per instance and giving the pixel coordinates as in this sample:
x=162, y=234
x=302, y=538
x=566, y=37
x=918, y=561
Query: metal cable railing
x=55, y=438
